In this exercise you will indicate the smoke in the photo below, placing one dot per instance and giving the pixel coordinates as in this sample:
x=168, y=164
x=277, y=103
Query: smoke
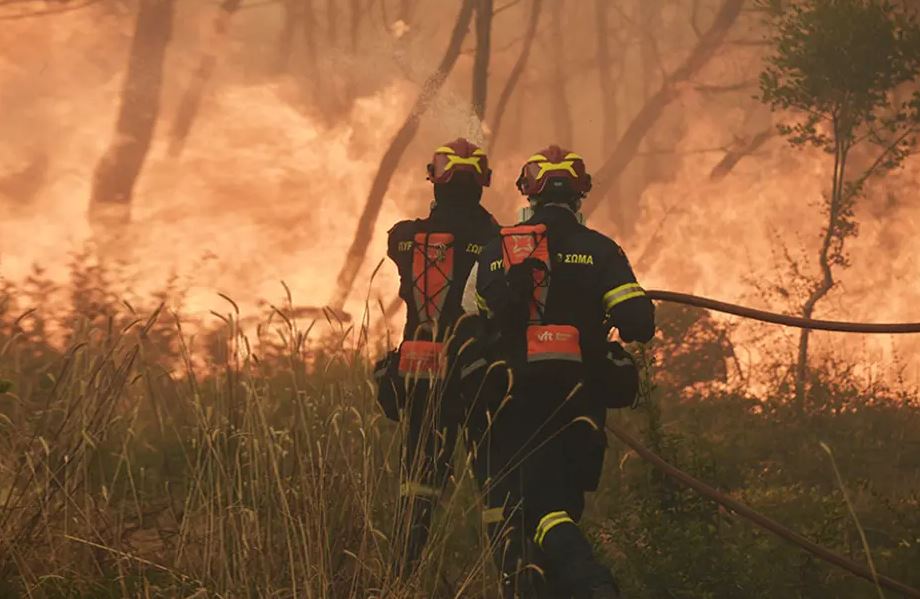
x=278, y=165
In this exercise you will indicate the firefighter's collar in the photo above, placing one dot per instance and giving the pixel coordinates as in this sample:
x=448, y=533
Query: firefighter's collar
x=527, y=212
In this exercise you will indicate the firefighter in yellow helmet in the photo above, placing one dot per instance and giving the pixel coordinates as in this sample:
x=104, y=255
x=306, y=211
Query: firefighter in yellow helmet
x=553, y=290
x=416, y=386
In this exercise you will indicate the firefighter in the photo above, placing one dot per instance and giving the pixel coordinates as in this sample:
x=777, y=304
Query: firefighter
x=553, y=290
x=417, y=383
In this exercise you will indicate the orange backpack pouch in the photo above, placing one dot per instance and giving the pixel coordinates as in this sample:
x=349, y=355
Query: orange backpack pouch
x=553, y=342
x=421, y=359
x=528, y=241
x=432, y=272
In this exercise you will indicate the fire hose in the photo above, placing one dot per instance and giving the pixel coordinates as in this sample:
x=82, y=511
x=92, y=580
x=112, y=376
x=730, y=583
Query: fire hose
x=735, y=506
x=784, y=319
x=758, y=518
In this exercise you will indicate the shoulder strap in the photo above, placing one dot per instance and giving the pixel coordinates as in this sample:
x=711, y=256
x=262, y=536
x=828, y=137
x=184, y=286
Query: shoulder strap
x=432, y=274
x=529, y=241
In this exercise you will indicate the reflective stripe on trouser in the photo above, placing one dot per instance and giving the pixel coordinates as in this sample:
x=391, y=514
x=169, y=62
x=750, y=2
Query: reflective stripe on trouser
x=548, y=522
x=412, y=530
x=415, y=489
x=493, y=515
x=473, y=367
x=425, y=470
x=520, y=577
x=620, y=294
x=571, y=558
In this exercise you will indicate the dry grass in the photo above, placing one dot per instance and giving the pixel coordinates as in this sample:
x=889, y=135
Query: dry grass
x=258, y=468
x=140, y=460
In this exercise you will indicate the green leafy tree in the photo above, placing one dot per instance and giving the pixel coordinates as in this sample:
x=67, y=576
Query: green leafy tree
x=838, y=73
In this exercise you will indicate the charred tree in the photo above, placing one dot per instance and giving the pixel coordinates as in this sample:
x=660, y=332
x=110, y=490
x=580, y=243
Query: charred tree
x=118, y=170
x=516, y=71
x=293, y=14
x=481, y=59
x=643, y=170
x=390, y=161
x=559, y=103
x=626, y=148
x=649, y=15
x=605, y=74
x=191, y=99
x=309, y=36
x=357, y=15
x=608, y=98
x=332, y=22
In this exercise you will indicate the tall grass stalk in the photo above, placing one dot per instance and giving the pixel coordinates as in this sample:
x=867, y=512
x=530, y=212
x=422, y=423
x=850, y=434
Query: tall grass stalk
x=859, y=527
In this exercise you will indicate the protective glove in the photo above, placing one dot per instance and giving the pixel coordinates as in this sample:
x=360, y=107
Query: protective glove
x=390, y=388
x=620, y=378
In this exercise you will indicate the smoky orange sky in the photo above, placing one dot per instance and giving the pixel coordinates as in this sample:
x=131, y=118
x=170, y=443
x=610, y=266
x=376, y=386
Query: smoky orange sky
x=279, y=162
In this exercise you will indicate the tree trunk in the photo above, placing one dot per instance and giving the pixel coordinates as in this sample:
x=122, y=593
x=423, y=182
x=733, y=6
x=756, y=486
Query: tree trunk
x=309, y=36
x=649, y=15
x=559, y=103
x=608, y=98
x=648, y=115
x=605, y=75
x=636, y=178
x=118, y=170
x=481, y=60
x=736, y=154
x=292, y=18
x=191, y=99
x=357, y=14
x=332, y=21
x=516, y=71
x=832, y=234
x=390, y=161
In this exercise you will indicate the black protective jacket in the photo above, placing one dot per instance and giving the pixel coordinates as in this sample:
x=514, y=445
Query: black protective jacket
x=592, y=285
x=472, y=227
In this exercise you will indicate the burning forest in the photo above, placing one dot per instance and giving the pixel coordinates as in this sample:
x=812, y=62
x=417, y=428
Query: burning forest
x=195, y=205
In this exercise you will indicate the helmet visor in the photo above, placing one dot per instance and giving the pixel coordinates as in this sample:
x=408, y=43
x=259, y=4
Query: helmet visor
x=569, y=174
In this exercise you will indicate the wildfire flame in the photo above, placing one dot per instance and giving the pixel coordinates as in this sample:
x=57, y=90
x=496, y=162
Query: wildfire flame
x=268, y=189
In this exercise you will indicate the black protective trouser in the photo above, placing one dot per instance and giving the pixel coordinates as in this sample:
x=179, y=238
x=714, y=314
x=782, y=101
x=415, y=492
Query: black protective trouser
x=538, y=454
x=432, y=417
x=434, y=410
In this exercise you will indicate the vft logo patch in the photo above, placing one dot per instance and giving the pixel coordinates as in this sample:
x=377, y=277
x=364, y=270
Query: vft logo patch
x=553, y=342
x=550, y=335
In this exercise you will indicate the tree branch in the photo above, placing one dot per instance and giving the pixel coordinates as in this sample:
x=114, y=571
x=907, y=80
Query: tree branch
x=649, y=114
x=505, y=7
x=390, y=161
x=516, y=71
x=190, y=103
x=735, y=155
x=481, y=60
x=883, y=156
x=49, y=11
x=694, y=18
x=721, y=89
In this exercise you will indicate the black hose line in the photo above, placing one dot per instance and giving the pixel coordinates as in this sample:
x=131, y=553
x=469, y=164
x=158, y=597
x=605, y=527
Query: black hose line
x=784, y=319
x=759, y=519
